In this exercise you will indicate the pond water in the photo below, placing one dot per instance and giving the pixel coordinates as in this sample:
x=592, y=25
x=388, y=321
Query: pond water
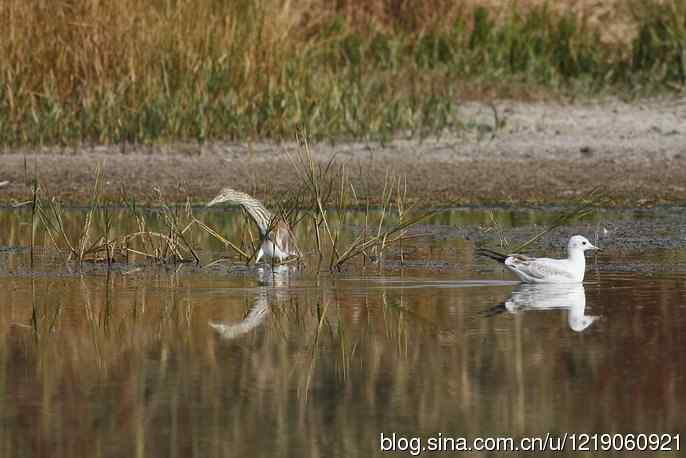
x=183, y=361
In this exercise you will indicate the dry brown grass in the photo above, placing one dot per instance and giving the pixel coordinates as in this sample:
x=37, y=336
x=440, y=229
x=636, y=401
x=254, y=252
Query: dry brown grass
x=612, y=18
x=68, y=46
x=143, y=71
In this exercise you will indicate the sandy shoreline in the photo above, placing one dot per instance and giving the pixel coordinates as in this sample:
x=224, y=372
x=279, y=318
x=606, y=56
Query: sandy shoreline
x=540, y=154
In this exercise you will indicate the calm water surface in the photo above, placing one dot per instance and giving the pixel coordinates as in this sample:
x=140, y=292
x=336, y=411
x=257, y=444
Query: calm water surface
x=142, y=360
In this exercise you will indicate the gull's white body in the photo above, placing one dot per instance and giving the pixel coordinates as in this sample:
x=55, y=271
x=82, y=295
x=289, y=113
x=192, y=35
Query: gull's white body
x=550, y=296
x=546, y=270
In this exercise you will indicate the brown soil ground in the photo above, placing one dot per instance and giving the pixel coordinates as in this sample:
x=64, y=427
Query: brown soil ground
x=542, y=153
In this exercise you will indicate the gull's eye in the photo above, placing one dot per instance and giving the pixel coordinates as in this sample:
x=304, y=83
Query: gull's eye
x=584, y=243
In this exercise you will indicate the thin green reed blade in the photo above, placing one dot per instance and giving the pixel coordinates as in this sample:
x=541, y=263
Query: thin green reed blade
x=589, y=202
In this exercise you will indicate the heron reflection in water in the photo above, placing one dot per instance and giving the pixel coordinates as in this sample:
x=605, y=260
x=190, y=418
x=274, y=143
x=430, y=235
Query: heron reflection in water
x=527, y=297
x=270, y=279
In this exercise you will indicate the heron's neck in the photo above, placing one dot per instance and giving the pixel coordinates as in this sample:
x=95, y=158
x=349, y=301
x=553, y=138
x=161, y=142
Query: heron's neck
x=278, y=229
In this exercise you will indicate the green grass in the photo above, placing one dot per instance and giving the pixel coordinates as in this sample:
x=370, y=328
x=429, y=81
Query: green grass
x=202, y=70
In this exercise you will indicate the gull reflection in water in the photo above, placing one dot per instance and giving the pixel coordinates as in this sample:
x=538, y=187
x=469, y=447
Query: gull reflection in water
x=268, y=278
x=526, y=297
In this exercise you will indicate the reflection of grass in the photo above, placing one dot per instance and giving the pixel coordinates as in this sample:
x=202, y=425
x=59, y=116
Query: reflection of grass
x=137, y=367
x=128, y=71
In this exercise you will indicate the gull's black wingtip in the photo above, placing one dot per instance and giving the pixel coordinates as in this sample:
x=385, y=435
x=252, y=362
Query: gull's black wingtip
x=493, y=311
x=491, y=254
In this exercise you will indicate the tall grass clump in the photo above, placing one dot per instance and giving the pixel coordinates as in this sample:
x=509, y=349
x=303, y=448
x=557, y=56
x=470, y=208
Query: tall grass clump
x=332, y=194
x=170, y=242
x=129, y=71
x=659, y=47
x=161, y=235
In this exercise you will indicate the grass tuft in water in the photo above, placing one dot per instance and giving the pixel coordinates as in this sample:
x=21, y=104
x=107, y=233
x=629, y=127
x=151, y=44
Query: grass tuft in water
x=97, y=239
x=331, y=191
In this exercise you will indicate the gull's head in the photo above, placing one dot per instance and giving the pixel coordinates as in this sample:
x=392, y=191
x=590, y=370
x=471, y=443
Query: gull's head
x=224, y=195
x=579, y=242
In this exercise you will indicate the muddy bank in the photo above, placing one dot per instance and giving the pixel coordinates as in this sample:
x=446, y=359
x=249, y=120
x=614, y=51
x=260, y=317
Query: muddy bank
x=509, y=153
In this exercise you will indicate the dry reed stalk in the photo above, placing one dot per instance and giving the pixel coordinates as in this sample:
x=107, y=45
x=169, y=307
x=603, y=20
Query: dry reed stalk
x=321, y=182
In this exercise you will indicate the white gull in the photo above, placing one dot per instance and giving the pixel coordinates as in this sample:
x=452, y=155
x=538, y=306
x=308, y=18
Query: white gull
x=546, y=270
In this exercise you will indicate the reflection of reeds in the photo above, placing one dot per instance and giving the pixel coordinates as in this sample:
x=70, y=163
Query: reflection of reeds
x=149, y=365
